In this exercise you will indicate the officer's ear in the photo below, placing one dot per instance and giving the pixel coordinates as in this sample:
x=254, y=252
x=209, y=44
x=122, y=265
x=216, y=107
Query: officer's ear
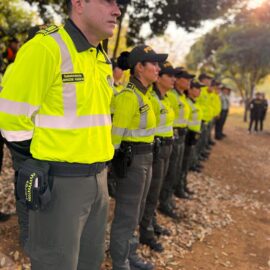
x=77, y=6
x=139, y=67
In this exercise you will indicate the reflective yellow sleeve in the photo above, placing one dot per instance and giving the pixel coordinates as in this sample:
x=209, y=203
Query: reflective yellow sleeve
x=26, y=85
x=126, y=104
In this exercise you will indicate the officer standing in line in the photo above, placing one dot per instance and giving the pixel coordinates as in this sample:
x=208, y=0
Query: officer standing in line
x=134, y=124
x=265, y=108
x=216, y=102
x=225, y=104
x=59, y=120
x=194, y=130
x=162, y=152
x=182, y=84
x=181, y=111
x=256, y=111
x=203, y=102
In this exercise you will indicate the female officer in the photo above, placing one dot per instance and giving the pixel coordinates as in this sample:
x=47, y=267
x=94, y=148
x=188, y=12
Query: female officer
x=194, y=129
x=163, y=148
x=133, y=131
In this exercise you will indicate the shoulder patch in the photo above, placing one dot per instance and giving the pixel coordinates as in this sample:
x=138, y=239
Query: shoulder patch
x=49, y=30
x=130, y=86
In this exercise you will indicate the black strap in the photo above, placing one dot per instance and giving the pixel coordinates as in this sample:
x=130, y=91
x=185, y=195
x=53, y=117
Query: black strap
x=75, y=169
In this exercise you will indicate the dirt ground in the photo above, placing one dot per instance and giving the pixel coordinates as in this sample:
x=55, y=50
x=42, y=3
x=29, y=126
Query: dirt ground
x=225, y=226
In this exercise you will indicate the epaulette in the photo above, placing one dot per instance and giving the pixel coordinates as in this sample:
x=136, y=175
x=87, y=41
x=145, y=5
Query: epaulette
x=48, y=30
x=130, y=86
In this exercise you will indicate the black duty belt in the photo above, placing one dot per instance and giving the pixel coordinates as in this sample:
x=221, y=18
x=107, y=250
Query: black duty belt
x=140, y=147
x=165, y=141
x=75, y=169
x=181, y=131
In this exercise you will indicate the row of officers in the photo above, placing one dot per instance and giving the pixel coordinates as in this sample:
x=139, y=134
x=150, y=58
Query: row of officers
x=62, y=123
x=162, y=122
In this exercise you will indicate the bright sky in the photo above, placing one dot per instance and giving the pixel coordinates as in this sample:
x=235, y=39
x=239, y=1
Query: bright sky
x=176, y=41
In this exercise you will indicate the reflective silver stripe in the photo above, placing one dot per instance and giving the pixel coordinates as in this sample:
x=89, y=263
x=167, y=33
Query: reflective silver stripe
x=180, y=118
x=69, y=122
x=115, y=92
x=70, y=119
x=180, y=121
x=17, y=136
x=163, y=129
x=17, y=108
x=195, y=121
x=1, y=87
x=163, y=116
x=139, y=132
x=132, y=132
x=118, y=131
x=116, y=146
x=143, y=118
x=69, y=89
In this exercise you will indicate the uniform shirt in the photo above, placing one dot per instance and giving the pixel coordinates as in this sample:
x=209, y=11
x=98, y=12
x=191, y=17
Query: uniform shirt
x=204, y=101
x=195, y=119
x=225, y=102
x=216, y=103
x=163, y=111
x=134, y=118
x=58, y=95
x=256, y=108
x=180, y=107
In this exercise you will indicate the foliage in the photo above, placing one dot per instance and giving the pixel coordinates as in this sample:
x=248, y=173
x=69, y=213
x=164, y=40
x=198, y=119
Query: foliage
x=239, y=50
x=14, y=18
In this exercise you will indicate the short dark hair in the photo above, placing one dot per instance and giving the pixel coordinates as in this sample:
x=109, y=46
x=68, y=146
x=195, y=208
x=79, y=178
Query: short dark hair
x=68, y=5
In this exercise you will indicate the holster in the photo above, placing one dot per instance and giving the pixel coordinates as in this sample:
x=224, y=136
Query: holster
x=33, y=187
x=122, y=160
x=192, y=137
x=157, y=144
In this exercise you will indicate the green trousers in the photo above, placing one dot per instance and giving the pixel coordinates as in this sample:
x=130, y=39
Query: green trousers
x=69, y=234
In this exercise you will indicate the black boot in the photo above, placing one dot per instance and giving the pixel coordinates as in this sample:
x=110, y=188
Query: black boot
x=168, y=211
x=152, y=243
x=137, y=263
x=181, y=194
x=158, y=229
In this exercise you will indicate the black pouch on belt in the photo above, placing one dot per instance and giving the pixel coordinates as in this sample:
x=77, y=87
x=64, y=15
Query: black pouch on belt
x=192, y=137
x=32, y=185
x=122, y=160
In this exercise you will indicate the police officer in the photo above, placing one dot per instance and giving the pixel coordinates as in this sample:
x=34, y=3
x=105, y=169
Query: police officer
x=134, y=124
x=204, y=102
x=194, y=130
x=265, y=108
x=181, y=110
x=162, y=151
x=60, y=118
x=225, y=104
x=256, y=107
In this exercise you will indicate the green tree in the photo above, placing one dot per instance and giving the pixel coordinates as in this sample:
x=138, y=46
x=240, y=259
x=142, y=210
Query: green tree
x=14, y=19
x=238, y=51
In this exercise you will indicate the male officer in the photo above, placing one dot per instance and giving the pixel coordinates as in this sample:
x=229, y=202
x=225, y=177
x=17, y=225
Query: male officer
x=59, y=117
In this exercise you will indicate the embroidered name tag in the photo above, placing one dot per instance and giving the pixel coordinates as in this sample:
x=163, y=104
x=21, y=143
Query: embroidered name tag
x=72, y=77
x=144, y=108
